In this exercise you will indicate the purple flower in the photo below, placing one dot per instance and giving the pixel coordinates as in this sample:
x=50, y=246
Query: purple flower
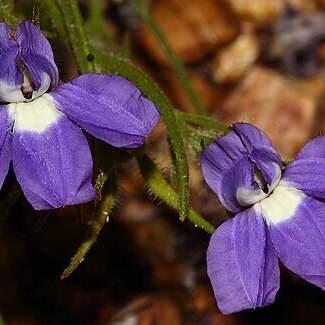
x=279, y=214
x=51, y=157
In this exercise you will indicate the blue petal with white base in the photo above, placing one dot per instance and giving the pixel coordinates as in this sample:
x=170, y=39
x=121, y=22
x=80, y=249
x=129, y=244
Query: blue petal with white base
x=297, y=228
x=51, y=156
x=242, y=264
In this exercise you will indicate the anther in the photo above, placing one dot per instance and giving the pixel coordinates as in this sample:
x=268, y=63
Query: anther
x=27, y=91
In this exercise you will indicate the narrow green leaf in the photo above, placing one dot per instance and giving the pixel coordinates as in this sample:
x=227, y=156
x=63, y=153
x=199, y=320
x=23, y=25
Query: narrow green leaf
x=160, y=187
x=173, y=168
x=113, y=64
x=174, y=61
x=101, y=215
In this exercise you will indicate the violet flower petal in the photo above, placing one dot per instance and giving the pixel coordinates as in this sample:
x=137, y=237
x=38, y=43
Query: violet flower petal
x=242, y=264
x=11, y=78
x=251, y=136
x=297, y=229
x=260, y=150
x=51, y=157
x=109, y=107
x=228, y=166
x=5, y=142
x=37, y=55
x=313, y=149
x=225, y=173
x=307, y=171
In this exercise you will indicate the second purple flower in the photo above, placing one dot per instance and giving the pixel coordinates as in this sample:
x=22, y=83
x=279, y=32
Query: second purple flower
x=279, y=213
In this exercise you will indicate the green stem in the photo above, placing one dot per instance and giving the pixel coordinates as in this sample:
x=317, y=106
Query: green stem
x=101, y=215
x=76, y=34
x=174, y=61
x=160, y=187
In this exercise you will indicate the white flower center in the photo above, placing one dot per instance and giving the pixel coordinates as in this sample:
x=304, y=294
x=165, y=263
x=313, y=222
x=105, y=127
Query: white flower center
x=281, y=205
x=34, y=116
